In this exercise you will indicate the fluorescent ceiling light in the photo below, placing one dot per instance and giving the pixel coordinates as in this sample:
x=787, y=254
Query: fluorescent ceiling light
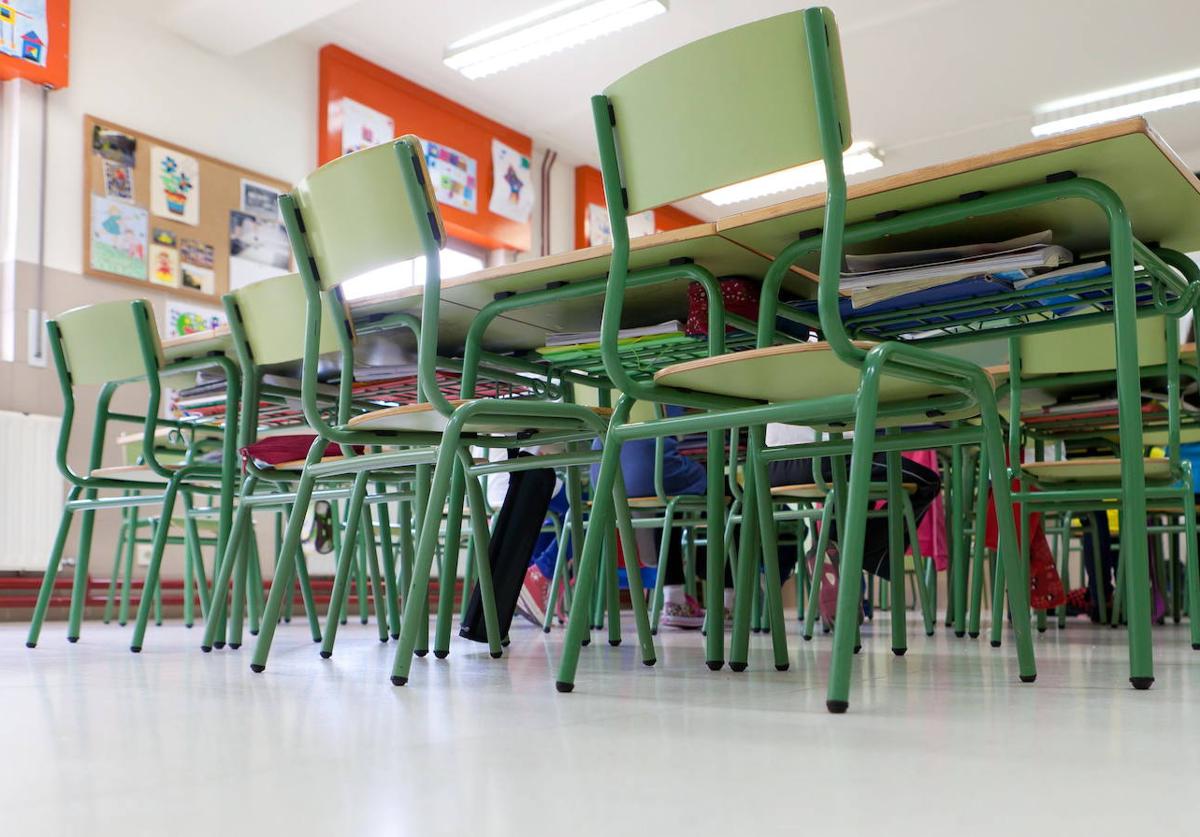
x=544, y=31
x=858, y=158
x=1135, y=99
x=394, y=277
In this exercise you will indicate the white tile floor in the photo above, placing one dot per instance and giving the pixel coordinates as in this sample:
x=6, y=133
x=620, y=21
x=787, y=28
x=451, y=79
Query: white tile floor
x=176, y=742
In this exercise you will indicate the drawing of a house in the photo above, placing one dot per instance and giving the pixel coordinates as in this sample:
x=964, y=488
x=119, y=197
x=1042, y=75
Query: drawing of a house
x=31, y=47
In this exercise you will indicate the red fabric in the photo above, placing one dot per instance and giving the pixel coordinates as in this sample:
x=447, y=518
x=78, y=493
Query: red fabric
x=931, y=531
x=1045, y=586
x=286, y=448
x=740, y=297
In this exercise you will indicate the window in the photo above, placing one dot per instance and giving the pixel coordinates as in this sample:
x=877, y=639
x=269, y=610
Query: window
x=458, y=258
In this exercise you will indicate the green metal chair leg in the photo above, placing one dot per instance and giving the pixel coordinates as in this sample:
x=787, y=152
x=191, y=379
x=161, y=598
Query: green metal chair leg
x=289, y=560
x=560, y=569
x=661, y=574
x=633, y=573
x=378, y=599
x=346, y=557
x=388, y=549
x=958, y=558
x=744, y=580
x=487, y=594
x=225, y=565
x=111, y=597
x=714, y=588
x=79, y=587
x=237, y=608
x=254, y=585
x=928, y=615
x=449, y=572
x=770, y=550
x=818, y=572
x=360, y=578
x=150, y=586
x=127, y=572
x=978, y=546
x=1193, y=573
x=47, y=589
x=612, y=592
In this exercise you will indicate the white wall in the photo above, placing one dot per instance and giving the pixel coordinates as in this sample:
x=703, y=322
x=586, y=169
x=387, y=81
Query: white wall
x=257, y=110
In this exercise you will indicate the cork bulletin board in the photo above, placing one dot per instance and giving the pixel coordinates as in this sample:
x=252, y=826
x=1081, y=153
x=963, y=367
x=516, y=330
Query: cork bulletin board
x=159, y=215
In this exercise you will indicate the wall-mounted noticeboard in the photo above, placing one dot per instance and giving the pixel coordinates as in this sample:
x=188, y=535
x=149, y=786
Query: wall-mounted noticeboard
x=159, y=215
x=362, y=104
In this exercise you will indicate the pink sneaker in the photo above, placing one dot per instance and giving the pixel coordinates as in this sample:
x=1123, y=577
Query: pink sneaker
x=688, y=615
x=534, y=596
x=827, y=600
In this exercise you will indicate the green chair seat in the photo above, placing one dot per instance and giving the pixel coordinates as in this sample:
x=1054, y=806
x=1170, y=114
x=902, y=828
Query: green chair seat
x=803, y=372
x=1093, y=469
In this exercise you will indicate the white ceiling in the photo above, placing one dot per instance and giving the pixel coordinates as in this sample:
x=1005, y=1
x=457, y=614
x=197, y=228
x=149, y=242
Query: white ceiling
x=929, y=80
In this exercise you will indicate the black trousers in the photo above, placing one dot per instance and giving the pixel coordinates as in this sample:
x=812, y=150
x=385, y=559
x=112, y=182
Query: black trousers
x=875, y=544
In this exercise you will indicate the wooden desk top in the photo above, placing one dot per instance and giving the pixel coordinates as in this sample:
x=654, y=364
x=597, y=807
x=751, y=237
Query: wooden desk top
x=1160, y=193
x=197, y=343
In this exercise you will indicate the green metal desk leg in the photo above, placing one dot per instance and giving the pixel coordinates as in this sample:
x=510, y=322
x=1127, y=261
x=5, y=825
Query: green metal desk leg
x=378, y=598
x=895, y=507
x=770, y=549
x=818, y=572
x=1193, y=572
x=127, y=573
x=958, y=558
x=743, y=583
x=111, y=598
x=661, y=575
x=979, y=544
x=389, y=565
x=560, y=568
x=633, y=573
x=928, y=615
x=714, y=588
x=447, y=579
x=79, y=587
x=612, y=593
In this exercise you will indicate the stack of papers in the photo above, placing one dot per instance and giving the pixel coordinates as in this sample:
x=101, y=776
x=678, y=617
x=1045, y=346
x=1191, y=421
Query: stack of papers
x=579, y=338
x=875, y=278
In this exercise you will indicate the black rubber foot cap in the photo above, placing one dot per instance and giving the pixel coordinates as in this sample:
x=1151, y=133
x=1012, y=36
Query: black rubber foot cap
x=316, y=639
x=1195, y=646
x=364, y=621
x=972, y=634
x=395, y=636
x=807, y=637
x=714, y=665
x=441, y=655
x=257, y=669
x=235, y=646
x=899, y=652
x=930, y=633
x=614, y=642
x=1114, y=627
x=738, y=667
x=325, y=655
x=383, y=639
x=1141, y=683
x=254, y=633
x=495, y=655
x=1028, y=678
x=586, y=643
x=837, y=707
x=1041, y=630
x=563, y=687
x=857, y=648
x=72, y=639
x=782, y=666
x=207, y=649
x=756, y=630
x=34, y=645
x=218, y=645
x=650, y=661
x=137, y=649
x=960, y=634
x=422, y=652
x=504, y=643
x=995, y=643
x=825, y=630
x=545, y=630
x=654, y=632
x=399, y=681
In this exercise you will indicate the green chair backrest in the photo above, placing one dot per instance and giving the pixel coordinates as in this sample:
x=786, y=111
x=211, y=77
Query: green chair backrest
x=358, y=214
x=272, y=313
x=1089, y=348
x=100, y=342
x=727, y=108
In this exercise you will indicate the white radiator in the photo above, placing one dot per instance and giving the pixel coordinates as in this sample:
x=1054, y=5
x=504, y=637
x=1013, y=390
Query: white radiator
x=31, y=490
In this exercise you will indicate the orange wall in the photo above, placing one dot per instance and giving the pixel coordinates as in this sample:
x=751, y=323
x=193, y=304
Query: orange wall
x=589, y=188
x=418, y=110
x=54, y=74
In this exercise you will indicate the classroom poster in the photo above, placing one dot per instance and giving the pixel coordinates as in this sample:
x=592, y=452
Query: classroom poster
x=196, y=266
x=164, y=266
x=257, y=249
x=512, y=183
x=114, y=145
x=185, y=318
x=363, y=127
x=118, y=236
x=599, y=230
x=23, y=30
x=260, y=200
x=454, y=176
x=118, y=181
x=174, y=185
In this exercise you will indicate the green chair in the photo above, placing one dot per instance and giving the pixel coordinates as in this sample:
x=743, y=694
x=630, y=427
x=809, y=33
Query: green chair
x=1074, y=361
x=747, y=102
x=110, y=345
x=369, y=211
